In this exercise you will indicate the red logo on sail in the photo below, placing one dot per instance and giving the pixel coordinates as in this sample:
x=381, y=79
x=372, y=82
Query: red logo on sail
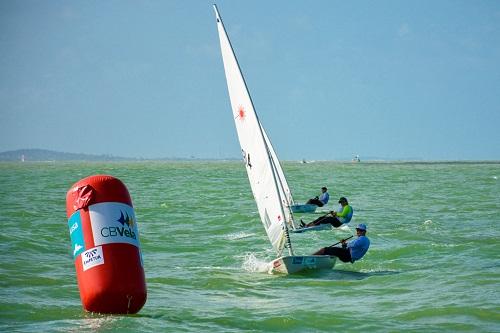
x=241, y=113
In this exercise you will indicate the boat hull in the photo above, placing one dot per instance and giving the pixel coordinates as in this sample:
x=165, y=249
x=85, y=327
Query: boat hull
x=296, y=264
x=313, y=228
x=305, y=208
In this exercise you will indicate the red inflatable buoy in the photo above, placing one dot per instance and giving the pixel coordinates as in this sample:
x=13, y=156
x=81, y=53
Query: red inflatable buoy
x=105, y=246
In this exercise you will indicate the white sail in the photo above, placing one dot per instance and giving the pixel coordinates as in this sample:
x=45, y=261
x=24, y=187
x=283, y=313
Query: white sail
x=285, y=193
x=257, y=152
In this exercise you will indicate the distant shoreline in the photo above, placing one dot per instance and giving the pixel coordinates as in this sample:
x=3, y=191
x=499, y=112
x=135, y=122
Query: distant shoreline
x=42, y=155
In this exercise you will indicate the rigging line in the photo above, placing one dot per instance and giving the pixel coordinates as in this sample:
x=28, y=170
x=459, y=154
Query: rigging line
x=273, y=169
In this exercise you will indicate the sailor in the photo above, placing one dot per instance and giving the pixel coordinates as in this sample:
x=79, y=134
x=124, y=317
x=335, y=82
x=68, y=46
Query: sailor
x=322, y=200
x=352, y=251
x=343, y=216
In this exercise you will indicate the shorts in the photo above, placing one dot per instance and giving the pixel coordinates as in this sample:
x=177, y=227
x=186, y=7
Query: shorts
x=342, y=253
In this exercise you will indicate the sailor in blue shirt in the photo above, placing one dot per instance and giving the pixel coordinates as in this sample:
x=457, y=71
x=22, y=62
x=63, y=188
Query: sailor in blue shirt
x=352, y=251
x=322, y=200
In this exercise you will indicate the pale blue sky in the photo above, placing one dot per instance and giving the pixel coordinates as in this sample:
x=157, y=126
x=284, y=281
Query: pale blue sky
x=329, y=79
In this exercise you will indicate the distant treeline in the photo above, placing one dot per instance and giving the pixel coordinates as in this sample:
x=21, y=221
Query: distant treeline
x=43, y=155
x=49, y=155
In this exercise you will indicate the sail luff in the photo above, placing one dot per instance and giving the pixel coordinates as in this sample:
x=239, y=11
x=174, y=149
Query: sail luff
x=279, y=169
x=261, y=173
x=286, y=212
x=283, y=184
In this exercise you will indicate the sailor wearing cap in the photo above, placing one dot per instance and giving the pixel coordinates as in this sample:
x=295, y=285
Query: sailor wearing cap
x=352, y=251
x=322, y=199
x=336, y=219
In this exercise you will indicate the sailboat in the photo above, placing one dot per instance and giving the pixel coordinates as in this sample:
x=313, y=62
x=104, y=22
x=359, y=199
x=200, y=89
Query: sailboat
x=266, y=177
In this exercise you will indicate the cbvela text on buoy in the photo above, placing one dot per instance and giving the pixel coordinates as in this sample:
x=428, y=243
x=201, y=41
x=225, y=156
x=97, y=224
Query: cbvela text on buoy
x=105, y=246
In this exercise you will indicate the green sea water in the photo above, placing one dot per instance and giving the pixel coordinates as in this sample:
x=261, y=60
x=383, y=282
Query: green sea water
x=433, y=264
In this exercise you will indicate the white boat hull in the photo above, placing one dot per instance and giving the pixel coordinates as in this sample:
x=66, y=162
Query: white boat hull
x=304, y=208
x=313, y=228
x=295, y=264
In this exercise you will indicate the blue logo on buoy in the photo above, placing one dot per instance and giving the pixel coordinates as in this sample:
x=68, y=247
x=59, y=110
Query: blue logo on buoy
x=125, y=219
x=76, y=234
